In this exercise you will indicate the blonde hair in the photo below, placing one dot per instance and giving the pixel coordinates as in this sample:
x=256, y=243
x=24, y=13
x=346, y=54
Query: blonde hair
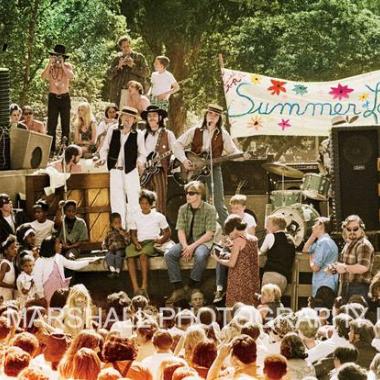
x=308, y=326
x=272, y=292
x=239, y=199
x=194, y=334
x=87, y=118
x=277, y=220
x=196, y=186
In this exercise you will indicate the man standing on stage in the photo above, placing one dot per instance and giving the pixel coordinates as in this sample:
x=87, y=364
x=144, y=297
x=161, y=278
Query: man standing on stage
x=198, y=140
x=124, y=151
x=160, y=141
x=357, y=259
x=59, y=73
x=126, y=66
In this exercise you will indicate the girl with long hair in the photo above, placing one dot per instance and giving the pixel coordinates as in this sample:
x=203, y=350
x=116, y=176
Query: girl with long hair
x=85, y=128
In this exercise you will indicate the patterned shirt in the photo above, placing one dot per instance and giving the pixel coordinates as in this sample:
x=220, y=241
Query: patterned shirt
x=204, y=220
x=358, y=252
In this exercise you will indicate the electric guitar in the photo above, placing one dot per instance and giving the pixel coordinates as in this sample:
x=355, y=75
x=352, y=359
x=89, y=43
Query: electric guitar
x=151, y=167
x=201, y=165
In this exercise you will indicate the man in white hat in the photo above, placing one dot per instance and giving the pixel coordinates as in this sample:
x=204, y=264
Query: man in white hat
x=124, y=151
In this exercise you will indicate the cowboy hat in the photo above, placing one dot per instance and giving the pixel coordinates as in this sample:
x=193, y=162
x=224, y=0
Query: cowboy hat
x=59, y=50
x=150, y=109
x=129, y=111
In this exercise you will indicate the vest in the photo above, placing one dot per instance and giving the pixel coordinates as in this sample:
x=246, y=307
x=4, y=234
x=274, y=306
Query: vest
x=281, y=256
x=130, y=151
x=163, y=147
x=217, y=142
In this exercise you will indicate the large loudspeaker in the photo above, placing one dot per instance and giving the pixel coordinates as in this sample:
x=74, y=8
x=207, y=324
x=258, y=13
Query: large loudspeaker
x=355, y=151
x=29, y=150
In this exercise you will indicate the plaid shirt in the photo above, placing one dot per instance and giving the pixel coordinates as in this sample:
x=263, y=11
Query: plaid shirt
x=358, y=252
x=115, y=240
x=205, y=220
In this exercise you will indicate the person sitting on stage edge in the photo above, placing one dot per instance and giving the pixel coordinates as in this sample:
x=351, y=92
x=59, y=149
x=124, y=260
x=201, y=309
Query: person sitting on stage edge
x=29, y=121
x=110, y=117
x=134, y=97
x=58, y=73
x=198, y=140
x=73, y=231
x=85, y=128
x=72, y=156
x=279, y=248
x=158, y=140
x=147, y=228
x=15, y=113
x=115, y=242
x=237, y=205
x=196, y=225
x=323, y=252
x=358, y=256
x=124, y=151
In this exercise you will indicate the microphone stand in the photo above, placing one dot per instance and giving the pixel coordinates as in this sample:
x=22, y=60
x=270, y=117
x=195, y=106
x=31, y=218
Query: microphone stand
x=211, y=165
x=64, y=188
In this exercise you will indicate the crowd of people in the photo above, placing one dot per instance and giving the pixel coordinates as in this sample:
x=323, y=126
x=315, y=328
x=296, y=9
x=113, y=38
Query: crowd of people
x=51, y=330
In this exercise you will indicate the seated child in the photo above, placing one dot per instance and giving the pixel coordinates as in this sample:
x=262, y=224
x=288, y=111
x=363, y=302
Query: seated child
x=115, y=242
x=270, y=302
x=26, y=238
x=42, y=226
x=238, y=205
x=7, y=268
x=280, y=250
x=25, y=283
x=73, y=231
x=149, y=227
x=163, y=83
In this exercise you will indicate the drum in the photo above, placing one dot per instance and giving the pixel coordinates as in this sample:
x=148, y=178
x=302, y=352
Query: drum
x=315, y=186
x=280, y=198
x=300, y=218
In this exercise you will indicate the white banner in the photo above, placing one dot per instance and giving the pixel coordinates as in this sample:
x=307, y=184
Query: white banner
x=261, y=105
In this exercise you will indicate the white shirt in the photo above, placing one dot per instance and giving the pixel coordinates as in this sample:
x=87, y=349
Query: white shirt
x=24, y=281
x=141, y=154
x=44, y=266
x=103, y=127
x=268, y=242
x=376, y=344
x=249, y=220
x=124, y=328
x=148, y=226
x=10, y=221
x=43, y=230
x=161, y=82
x=151, y=141
x=185, y=140
x=153, y=362
x=327, y=347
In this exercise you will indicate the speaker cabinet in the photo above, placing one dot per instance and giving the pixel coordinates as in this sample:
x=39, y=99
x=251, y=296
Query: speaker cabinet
x=29, y=150
x=355, y=150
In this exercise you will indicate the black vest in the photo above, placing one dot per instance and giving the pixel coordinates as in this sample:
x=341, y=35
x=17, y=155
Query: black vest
x=281, y=256
x=130, y=151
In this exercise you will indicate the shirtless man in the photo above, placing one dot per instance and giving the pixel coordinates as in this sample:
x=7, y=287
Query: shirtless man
x=59, y=73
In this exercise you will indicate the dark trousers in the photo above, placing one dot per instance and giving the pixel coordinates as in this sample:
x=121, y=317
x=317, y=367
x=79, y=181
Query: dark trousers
x=58, y=105
x=354, y=288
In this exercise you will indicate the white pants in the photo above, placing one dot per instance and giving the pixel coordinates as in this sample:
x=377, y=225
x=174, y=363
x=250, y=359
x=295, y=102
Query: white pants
x=125, y=186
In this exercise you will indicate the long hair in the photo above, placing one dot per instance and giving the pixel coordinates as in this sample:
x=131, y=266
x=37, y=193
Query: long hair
x=86, y=365
x=86, y=119
x=219, y=123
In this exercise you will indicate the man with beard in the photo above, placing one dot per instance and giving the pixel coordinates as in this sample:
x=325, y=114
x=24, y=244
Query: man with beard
x=357, y=259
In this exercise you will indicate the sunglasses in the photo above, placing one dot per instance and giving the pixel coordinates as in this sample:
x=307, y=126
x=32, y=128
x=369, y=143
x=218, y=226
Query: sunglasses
x=354, y=229
x=28, y=113
x=191, y=193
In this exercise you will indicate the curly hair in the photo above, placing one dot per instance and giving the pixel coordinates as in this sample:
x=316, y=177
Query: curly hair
x=118, y=349
x=292, y=347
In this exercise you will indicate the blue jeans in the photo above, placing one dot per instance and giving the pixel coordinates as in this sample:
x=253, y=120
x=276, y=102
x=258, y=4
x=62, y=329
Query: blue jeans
x=115, y=259
x=172, y=257
x=218, y=193
x=354, y=288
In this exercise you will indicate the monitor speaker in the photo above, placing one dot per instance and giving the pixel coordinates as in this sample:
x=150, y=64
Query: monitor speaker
x=29, y=150
x=355, y=179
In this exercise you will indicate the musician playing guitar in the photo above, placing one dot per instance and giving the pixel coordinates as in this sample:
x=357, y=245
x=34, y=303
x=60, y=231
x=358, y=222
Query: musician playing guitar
x=159, y=144
x=198, y=140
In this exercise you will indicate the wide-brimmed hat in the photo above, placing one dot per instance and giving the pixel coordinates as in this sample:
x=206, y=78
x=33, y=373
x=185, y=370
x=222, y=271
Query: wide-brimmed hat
x=129, y=111
x=59, y=50
x=215, y=108
x=150, y=109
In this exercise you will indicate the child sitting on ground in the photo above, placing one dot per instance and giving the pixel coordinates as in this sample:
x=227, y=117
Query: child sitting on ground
x=115, y=242
x=149, y=227
x=163, y=83
x=25, y=282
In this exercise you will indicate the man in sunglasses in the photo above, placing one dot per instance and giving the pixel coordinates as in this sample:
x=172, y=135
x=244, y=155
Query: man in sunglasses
x=357, y=259
x=30, y=122
x=196, y=225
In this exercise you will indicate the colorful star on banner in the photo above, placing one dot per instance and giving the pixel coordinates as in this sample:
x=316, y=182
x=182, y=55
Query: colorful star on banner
x=277, y=87
x=255, y=122
x=340, y=91
x=300, y=89
x=284, y=124
x=363, y=96
x=255, y=79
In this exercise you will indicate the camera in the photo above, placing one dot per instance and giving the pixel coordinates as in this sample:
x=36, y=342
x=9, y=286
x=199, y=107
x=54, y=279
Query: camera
x=58, y=59
x=218, y=249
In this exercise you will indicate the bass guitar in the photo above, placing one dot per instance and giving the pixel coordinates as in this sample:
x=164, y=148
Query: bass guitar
x=152, y=166
x=201, y=165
